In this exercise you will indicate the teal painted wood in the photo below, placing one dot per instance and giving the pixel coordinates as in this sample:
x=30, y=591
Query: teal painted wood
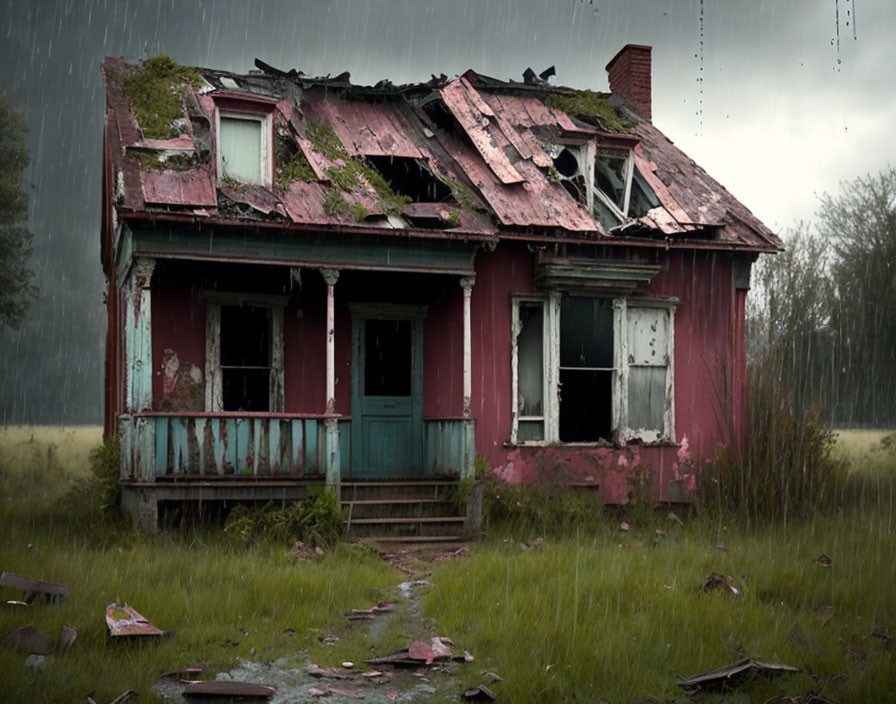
x=387, y=431
x=144, y=446
x=274, y=450
x=180, y=454
x=229, y=440
x=444, y=446
x=312, y=466
x=298, y=447
x=199, y=424
x=469, y=468
x=345, y=445
x=243, y=445
x=161, y=460
x=446, y=256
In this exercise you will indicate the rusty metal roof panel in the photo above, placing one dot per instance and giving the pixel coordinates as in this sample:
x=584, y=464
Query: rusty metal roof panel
x=458, y=98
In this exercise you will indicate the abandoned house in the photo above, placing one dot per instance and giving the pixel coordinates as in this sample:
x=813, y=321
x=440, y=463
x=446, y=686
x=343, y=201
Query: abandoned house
x=388, y=288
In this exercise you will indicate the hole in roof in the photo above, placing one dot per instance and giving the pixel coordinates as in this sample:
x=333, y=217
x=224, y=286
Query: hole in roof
x=410, y=178
x=566, y=163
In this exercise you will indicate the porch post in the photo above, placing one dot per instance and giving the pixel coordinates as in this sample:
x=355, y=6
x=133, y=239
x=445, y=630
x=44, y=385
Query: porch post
x=138, y=336
x=332, y=425
x=469, y=429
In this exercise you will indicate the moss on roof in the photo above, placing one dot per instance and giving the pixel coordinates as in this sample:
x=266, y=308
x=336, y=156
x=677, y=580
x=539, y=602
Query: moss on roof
x=591, y=107
x=156, y=91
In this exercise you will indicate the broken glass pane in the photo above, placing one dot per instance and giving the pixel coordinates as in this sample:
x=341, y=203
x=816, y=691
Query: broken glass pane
x=586, y=332
x=610, y=177
x=387, y=358
x=530, y=356
x=646, y=398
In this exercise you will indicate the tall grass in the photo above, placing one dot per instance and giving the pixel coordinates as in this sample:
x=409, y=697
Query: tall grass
x=788, y=467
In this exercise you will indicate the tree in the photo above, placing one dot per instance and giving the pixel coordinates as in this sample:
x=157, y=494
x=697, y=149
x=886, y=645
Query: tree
x=16, y=289
x=860, y=226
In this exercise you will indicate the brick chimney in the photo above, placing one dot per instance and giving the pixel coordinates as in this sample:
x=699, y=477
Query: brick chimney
x=629, y=73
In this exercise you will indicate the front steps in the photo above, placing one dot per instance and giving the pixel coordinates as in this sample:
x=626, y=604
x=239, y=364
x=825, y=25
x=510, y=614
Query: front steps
x=421, y=510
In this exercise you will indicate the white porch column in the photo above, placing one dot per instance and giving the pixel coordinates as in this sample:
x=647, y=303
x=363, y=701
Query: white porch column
x=332, y=448
x=138, y=336
x=469, y=430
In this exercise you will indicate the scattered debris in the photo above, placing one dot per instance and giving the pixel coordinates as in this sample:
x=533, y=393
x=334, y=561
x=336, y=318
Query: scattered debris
x=224, y=688
x=369, y=614
x=51, y=591
x=824, y=613
x=480, y=693
x=882, y=634
x=716, y=581
x=67, y=636
x=734, y=675
x=326, y=672
x=823, y=561
x=28, y=640
x=120, y=699
x=306, y=552
x=419, y=653
x=125, y=621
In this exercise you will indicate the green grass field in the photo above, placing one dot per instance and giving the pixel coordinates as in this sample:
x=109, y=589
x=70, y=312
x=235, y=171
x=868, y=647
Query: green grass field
x=589, y=616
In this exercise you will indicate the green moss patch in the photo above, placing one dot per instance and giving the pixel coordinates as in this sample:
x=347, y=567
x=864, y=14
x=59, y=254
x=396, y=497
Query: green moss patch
x=155, y=161
x=346, y=173
x=591, y=107
x=156, y=91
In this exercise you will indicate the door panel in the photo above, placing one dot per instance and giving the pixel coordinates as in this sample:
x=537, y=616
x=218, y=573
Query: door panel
x=387, y=393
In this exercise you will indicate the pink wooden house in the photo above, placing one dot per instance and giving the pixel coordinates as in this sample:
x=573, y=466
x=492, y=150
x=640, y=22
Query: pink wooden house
x=380, y=287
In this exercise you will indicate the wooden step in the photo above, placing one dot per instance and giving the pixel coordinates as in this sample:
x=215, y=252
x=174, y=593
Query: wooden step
x=408, y=521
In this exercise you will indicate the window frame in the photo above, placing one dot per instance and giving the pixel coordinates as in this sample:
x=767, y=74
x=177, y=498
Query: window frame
x=265, y=119
x=214, y=387
x=621, y=432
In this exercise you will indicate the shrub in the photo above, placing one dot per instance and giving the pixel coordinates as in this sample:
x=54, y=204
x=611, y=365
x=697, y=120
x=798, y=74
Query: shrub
x=788, y=467
x=317, y=520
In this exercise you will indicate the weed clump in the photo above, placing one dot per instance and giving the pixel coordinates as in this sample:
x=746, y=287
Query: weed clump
x=156, y=91
x=95, y=500
x=318, y=520
x=589, y=106
x=788, y=467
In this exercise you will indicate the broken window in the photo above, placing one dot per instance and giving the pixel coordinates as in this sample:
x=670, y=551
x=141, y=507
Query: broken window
x=529, y=370
x=588, y=369
x=245, y=358
x=387, y=357
x=604, y=180
x=244, y=354
x=244, y=147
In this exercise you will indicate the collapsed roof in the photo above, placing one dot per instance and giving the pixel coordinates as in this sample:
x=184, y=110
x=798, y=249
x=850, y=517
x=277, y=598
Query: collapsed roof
x=471, y=156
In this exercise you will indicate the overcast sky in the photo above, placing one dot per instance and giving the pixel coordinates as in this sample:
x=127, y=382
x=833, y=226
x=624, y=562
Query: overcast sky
x=761, y=94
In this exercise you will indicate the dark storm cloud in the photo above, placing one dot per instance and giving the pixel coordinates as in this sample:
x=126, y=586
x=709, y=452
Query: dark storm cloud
x=778, y=120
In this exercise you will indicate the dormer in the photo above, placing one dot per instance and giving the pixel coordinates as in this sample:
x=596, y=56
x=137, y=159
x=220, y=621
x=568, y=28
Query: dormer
x=244, y=127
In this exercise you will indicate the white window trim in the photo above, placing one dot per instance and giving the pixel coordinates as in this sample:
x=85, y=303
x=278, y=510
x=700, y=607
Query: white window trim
x=551, y=376
x=266, y=121
x=214, y=387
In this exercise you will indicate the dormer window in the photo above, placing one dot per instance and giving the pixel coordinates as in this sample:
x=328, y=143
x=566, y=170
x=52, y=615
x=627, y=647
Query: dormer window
x=245, y=134
x=604, y=179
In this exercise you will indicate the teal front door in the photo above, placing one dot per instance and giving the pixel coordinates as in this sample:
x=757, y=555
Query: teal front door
x=387, y=395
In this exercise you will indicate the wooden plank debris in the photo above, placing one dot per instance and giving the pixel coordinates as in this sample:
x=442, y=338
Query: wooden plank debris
x=54, y=593
x=126, y=621
x=228, y=689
